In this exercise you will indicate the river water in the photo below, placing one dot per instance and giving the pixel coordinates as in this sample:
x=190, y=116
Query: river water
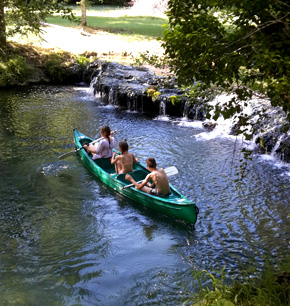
x=66, y=239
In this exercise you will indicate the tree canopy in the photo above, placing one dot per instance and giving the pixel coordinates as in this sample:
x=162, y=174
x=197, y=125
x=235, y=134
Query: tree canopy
x=21, y=16
x=241, y=46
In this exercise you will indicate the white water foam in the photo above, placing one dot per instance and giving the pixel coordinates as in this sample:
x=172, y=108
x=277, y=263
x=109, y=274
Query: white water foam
x=187, y=123
x=162, y=118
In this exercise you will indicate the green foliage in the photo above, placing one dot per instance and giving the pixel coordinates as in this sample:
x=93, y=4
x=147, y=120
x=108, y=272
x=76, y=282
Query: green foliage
x=218, y=295
x=153, y=93
x=55, y=67
x=82, y=61
x=151, y=59
x=269, y=288
x=13, y=71
x=105, y=2
x=22, y=17
x=174, y=100
x=238, y=46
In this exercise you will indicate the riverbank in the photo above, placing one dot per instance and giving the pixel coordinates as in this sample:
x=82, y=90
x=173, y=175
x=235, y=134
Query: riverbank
x=85, y=41
x=63, y=54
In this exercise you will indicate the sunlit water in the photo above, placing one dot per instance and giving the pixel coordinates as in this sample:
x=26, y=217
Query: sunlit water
x=66, y=239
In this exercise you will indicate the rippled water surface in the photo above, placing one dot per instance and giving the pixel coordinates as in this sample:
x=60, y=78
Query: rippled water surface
x=66, y=239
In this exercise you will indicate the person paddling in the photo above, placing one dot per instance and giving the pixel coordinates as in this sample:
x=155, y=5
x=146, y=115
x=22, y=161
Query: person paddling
x=160, y=186
x=124, y=161
x=104, y=148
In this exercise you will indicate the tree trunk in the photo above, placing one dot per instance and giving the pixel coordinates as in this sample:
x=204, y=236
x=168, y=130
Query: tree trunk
x=84, y=14
x=2, y=25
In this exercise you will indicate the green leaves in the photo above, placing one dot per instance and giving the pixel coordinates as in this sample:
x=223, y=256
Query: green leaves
x=23, y=16
x=13, y=71
x=239, y=46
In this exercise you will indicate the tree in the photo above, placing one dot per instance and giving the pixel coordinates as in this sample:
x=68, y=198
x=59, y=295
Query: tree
x=239, y=46
x=2, y=25
x=84, y=13
x=21, y=16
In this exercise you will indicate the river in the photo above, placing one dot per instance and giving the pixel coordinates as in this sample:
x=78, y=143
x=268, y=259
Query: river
x=66, y=239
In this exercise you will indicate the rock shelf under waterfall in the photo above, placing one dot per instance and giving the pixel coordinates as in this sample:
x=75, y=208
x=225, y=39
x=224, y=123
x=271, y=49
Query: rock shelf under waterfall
x=140, y=90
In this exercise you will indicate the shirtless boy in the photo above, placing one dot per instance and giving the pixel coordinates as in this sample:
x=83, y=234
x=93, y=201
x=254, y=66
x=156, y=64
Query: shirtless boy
x=124, y=161
x=160, y=185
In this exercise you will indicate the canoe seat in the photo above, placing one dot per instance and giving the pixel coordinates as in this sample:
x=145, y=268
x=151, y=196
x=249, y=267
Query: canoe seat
x=137, y=175
x=105, y=163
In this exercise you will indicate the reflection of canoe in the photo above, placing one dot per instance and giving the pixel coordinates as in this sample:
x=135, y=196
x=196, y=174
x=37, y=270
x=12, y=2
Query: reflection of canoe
x=175, y=205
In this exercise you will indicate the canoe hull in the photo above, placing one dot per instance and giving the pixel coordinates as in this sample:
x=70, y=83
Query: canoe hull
x=176, y=205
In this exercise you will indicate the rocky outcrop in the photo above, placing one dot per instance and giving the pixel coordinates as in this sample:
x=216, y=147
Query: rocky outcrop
x=139, y=89
x=283, y=150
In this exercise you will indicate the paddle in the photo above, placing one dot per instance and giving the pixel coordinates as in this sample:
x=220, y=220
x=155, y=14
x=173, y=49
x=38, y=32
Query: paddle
x=65, y=155
x=169, y=172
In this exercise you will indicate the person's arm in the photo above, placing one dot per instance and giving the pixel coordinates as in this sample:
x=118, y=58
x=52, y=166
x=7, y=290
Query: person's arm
x=99, y=148
x=135, y=160
x=146, y=180
x=151, y=185
x=112, y=142
x=114, y=159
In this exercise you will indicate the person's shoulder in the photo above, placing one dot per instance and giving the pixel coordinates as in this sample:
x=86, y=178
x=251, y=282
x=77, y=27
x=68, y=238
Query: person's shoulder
x=160, y=170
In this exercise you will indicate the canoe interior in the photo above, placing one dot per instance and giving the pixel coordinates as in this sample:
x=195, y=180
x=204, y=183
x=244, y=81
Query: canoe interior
x=175, y=205
x=139, y=171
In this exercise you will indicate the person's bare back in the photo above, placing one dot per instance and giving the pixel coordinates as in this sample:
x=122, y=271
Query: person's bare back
x=160, y=181
x=160, y=184
x=124, y=162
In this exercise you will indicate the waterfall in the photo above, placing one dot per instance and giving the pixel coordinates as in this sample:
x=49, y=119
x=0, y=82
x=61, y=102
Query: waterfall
x=128, y=88
x=134, y=104
x=95, y=82
x=162, y=107
x=141, y=106
x=111, y=99
x=185, y=109
x=92, y=89
x=276, y=147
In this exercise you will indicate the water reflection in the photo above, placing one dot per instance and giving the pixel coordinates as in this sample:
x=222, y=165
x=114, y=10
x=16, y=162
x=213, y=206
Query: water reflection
x=67, y=239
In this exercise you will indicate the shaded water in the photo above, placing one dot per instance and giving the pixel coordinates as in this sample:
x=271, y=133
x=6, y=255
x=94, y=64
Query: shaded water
x=66, y=239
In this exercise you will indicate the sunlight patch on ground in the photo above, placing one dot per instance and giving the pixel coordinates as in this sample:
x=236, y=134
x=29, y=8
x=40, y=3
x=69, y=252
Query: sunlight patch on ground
x=72, y=40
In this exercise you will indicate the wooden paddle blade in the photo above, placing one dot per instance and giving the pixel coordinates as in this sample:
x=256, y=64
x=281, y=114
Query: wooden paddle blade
x=65, y=155
x=171, y=170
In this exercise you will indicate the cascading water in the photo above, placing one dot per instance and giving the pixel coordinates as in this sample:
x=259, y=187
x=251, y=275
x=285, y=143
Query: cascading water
x=111, y=96
x=162, y=107
x=132, y=84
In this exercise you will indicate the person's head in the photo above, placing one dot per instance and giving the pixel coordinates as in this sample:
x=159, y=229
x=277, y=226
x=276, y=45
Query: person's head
x=105, y=131
x=151, y=162
x=123, y=146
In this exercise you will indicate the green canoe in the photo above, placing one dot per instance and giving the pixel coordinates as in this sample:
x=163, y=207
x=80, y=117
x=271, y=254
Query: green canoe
x=175, y=205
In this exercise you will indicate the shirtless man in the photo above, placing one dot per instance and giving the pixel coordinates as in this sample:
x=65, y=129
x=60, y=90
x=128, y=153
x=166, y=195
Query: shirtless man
x=158, y=176
x=124, y=161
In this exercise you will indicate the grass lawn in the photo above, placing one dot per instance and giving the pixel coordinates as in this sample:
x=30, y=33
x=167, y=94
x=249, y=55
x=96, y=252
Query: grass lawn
x=117, y=20
x=112, y=34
